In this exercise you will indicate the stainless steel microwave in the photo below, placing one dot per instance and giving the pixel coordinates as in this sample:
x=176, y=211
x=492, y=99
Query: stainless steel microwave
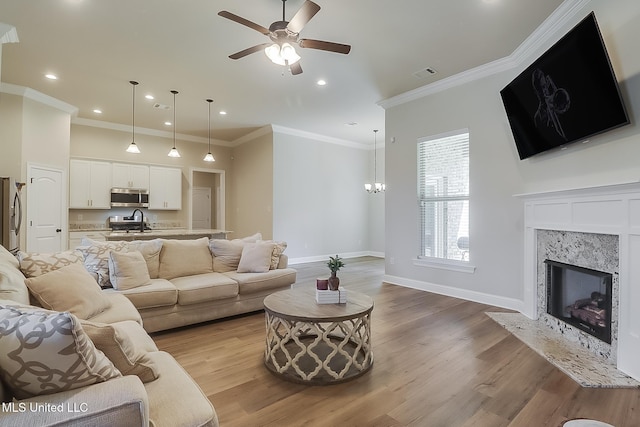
x=129, y=198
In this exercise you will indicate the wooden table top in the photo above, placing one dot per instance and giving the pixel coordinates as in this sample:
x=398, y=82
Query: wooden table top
x=300, y=304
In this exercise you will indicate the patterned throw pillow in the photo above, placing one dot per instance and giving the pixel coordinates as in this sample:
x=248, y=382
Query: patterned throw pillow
x=44, y=352
x=278, y=249
x=36, y=264
x=96, y=258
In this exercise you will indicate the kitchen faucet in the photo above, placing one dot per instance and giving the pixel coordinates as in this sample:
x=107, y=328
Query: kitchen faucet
x=133, y=215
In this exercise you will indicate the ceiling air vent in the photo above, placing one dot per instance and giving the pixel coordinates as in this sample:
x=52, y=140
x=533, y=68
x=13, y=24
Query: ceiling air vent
x=425, y=72
x=161, y=106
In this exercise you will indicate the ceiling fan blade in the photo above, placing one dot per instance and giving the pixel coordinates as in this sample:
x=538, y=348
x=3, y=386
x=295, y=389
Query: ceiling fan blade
x=322, y=45
x=249, y=51
x=296, y=68
x=245, y=22
x=302, y=16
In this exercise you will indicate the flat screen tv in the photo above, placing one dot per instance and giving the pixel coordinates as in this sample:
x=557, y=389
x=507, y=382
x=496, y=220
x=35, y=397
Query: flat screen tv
x=568, y=94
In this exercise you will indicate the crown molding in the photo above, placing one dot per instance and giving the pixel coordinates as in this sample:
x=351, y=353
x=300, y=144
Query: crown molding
x=541, y=37
x=40, y=97
x=318, y=137
x=145, y=131
x=8, y=33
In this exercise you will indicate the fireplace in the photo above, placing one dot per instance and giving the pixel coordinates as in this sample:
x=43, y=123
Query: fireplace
x=580, y=297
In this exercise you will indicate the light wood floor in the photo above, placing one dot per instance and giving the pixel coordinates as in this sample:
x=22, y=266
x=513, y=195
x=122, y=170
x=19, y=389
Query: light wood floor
x=439, y=361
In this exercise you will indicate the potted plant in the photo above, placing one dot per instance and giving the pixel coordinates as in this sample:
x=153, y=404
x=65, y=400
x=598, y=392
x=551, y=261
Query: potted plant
x=334, y=264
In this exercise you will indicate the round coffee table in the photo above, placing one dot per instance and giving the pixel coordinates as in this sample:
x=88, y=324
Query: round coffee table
x=315, y=343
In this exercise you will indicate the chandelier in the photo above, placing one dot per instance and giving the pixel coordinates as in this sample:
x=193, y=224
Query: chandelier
x=376, y=187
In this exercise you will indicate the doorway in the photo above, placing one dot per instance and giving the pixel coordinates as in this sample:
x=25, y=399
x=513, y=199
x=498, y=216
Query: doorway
x=207, y=184
x=46, y=209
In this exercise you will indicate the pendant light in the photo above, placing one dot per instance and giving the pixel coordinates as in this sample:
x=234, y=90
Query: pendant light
x=133, y=148
x=174, y=151
x=377, y=187
x=209, y=156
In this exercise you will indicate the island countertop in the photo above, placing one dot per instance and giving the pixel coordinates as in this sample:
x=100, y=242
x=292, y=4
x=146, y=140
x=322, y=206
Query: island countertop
x=174, y=233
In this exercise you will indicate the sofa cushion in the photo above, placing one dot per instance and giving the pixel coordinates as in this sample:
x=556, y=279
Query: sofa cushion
x=126, y=345
x=128, y=270
x=120, y=309
x=12, y=284
x=96, y=258
x=70, y=289
x=257, y=282
x=158, y=293
x=150, y=250
x=255, y=258
x=165, y=409
x=44, y=352
x=226, y=254
x=34, y=264
x=180, y=258
x=204, y=287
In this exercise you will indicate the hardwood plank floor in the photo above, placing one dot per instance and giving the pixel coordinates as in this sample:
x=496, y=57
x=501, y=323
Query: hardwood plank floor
x=439, y=361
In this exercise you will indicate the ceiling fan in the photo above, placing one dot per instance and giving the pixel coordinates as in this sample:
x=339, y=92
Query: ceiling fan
x=283, y=34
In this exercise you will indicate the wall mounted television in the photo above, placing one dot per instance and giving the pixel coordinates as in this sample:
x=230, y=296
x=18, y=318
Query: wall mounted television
x=567, y=95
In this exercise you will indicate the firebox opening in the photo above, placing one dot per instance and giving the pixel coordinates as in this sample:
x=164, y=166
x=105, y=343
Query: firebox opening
x=580, y=297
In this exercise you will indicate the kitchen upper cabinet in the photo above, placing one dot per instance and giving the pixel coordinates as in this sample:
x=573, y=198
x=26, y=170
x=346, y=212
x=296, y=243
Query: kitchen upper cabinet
x=165, y=188
x=89, y=184
x=130, y=176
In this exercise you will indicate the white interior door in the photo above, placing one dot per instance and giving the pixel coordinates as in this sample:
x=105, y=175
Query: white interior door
x=45, y=204
x=201, y=208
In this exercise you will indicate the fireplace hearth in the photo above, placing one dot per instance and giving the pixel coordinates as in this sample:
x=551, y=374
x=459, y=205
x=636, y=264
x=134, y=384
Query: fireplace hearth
x=580, y=297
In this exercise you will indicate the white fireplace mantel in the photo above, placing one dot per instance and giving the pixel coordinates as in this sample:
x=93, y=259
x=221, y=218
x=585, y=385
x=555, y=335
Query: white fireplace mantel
x=610, y=209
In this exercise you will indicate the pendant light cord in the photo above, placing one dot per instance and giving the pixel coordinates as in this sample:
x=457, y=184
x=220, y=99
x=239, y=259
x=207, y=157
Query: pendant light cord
x=375, y=156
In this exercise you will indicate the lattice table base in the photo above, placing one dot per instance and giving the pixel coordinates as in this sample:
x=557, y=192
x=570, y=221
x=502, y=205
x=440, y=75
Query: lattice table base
x=318, y=352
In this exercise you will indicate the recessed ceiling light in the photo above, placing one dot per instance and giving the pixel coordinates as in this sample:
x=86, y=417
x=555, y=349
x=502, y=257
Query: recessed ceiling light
x=223, y=113
x=51, y=76
x=321, y=82
x=149, y=96
x=167, y=123
x=97, y=111
x=351, y=124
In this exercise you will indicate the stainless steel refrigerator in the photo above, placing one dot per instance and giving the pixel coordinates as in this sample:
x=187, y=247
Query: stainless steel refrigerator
x=10, y=213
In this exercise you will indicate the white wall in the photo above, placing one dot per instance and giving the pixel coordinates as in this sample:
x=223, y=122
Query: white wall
x=497, y=174
x=319, y=204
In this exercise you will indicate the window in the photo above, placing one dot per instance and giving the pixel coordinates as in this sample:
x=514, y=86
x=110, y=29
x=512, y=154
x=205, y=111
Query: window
x=443, y=196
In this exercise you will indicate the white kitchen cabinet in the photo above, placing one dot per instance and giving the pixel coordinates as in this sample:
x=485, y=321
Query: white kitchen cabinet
x=165, y=188
x=89, y=184
x=130, y=176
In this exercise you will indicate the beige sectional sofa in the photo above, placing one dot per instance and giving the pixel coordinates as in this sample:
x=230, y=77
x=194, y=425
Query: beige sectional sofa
x=123, y=379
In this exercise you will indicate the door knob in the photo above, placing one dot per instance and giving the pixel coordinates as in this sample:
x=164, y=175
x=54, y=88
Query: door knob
x=58, y=230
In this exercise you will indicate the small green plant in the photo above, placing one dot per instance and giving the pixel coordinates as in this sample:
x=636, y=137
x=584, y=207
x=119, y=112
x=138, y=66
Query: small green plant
x=335, y=263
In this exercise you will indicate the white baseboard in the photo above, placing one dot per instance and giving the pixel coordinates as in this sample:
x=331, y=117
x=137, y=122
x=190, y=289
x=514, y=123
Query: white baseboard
x=480, y=297
x=316, y=258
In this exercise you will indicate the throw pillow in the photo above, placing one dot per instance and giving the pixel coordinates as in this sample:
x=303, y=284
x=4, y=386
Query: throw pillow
x=180, y=258
x=69, y=289
x=278, y=249
x=128, y=270
x=96, y=258
x=44, y=352
x=252, y=239
x=256, y=258
x=226, y=254
x=150, y=250
x=121, y=343
x=35, y=264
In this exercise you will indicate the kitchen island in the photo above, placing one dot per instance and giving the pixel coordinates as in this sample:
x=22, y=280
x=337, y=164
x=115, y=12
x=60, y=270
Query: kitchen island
x=175, y=233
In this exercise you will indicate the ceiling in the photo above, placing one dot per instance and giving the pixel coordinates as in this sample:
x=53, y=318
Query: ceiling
x=95, y=47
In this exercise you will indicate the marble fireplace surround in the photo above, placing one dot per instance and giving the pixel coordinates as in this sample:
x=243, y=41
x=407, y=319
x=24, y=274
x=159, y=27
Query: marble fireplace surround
x=612, y=210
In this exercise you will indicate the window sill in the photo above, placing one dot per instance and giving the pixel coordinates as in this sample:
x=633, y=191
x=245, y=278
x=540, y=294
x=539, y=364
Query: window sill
x=445, y=264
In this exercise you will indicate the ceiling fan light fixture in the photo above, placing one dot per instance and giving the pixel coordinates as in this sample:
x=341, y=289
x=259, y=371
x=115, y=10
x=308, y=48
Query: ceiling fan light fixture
x=282, y=55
